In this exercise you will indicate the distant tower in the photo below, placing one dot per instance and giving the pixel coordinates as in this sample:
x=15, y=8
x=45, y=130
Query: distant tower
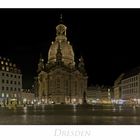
x=81, y=65
x=40, y=64
x=40, y=89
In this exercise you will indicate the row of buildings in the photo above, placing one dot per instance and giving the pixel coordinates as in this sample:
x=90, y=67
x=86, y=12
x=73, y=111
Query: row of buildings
x=11, y=84
x=126, y=89
x=61, y=80
x=99, y=94
x=127, y=86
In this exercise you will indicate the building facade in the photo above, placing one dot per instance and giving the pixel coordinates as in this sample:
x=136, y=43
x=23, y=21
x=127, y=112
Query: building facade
x=117, y=87
x=130, y=85
x=60, y=80
x=10, y=80
x=99, y=94
x=127, y=86
x=27, y=97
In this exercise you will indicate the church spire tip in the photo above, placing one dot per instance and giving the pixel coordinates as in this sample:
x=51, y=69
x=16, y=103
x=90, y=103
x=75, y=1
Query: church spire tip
x=61, y=18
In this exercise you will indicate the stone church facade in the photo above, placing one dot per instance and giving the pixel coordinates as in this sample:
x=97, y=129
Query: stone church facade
x=60, y=80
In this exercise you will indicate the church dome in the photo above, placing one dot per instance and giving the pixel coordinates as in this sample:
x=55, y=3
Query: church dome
x=66, y=48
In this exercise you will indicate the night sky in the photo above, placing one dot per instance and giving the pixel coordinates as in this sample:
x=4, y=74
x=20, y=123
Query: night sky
x=108, y=39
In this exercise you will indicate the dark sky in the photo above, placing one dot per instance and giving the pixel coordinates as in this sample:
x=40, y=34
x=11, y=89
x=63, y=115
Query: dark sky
x=108, y=39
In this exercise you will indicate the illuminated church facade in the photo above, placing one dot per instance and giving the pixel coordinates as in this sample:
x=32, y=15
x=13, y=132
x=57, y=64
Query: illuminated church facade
x=60, y=80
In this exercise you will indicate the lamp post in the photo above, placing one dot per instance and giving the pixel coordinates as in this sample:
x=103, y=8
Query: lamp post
x=24, y=101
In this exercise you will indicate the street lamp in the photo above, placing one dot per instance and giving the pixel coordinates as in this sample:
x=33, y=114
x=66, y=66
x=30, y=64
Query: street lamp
x=24, y=101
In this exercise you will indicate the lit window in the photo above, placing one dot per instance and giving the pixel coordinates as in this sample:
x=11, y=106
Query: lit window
x=10, y=64
x=2, y=94
x=6, y=63
x=74, y=100
x=24, y=100
x=7, y=68
x=2, y=62
x=3, y=68
x=7, y=95
x=15, y=95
